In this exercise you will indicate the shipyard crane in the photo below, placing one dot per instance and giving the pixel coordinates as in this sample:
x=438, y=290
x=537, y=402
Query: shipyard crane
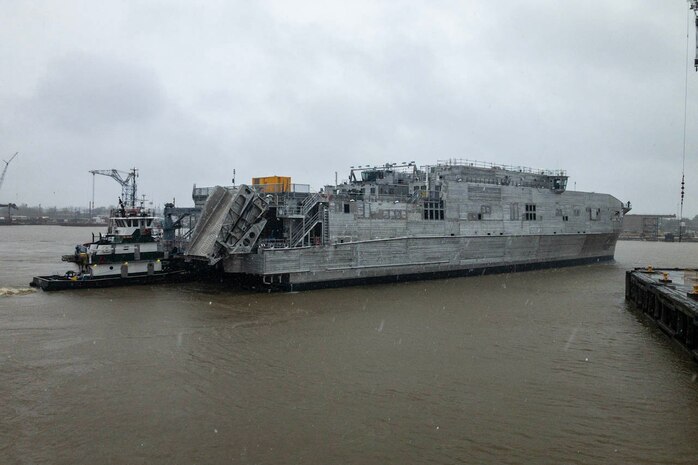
x=4, y=171
x=128, y=184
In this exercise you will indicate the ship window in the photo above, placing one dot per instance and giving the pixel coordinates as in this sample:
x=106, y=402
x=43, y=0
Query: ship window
x=565, y=218
x=576, y=212
x=485, y=209
x=346, y=208
x=434, y=210
x=530, y=212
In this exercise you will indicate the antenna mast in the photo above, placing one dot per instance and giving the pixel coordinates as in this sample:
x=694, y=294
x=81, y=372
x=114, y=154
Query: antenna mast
x=694, y=7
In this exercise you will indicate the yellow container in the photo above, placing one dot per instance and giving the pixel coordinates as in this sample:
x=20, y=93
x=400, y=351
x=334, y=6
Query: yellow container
x=273, y=183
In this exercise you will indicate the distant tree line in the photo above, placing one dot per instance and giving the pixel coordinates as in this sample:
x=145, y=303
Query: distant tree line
x=60, y=213
x=25, y=214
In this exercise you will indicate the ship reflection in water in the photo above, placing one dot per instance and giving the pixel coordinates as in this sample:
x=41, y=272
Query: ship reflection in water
x=538, y=367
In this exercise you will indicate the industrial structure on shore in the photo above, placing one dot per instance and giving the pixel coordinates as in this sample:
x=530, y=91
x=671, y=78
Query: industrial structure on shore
x=645, y=228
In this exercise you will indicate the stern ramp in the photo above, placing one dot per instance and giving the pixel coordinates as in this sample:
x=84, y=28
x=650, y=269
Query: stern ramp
x=231, y=222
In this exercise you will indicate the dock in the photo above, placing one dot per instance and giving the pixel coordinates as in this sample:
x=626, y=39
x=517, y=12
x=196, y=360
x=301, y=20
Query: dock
x=668, y=297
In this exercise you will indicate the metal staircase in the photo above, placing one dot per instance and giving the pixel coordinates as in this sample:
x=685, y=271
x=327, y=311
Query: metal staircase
x=292, y=210
x=416, y=197
x=307, y=226
x=309, y=203
x=309, y=220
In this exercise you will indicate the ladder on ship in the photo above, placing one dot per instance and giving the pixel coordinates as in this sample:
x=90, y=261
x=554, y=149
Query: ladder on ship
x=308, y=224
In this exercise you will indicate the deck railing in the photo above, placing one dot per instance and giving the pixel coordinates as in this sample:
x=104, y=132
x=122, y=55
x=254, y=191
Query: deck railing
x=485, y=164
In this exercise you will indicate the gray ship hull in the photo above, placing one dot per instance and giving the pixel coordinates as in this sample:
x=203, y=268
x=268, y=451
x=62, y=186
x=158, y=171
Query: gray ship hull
x=412, y=258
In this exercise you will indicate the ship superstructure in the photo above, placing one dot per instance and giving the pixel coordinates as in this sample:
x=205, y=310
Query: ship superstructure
x=399, y=221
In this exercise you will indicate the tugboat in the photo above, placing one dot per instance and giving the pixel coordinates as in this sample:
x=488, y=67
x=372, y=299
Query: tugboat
x=130, y=253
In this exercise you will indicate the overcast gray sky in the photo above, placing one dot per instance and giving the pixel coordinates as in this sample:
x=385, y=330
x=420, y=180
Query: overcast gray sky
x=189, y=91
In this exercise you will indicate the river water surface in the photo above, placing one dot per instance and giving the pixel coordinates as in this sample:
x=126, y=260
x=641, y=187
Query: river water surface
x=537, y=367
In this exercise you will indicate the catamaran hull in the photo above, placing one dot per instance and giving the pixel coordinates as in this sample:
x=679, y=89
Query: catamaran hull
x=406, y=259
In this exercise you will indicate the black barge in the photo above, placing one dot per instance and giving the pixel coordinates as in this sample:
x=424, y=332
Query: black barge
x=668, y=297
x=74, y=281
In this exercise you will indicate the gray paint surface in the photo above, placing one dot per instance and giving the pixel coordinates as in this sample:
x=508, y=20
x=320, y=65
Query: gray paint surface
x=492, y=217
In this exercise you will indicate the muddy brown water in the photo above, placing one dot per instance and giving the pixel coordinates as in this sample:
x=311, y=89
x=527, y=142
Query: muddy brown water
x=537, y=367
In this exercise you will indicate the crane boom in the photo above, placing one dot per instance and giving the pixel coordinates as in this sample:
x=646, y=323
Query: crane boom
x=4, y=170
x=127, y=182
